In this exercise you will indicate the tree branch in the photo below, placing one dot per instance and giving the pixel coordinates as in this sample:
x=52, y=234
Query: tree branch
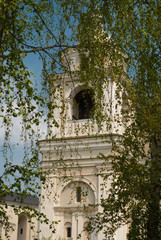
x=37, y=49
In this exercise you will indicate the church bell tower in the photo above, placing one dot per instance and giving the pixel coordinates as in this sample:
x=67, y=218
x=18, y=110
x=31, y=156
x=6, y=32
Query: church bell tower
x=70, y=156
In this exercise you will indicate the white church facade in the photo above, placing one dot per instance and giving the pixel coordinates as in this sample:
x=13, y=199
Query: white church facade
x=70, y=155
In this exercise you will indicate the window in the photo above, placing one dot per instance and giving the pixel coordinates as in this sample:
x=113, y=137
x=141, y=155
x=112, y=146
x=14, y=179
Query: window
x=69, y=232
x=21, y=231
x=124, y=103
x=78, y=194
x=84, y=104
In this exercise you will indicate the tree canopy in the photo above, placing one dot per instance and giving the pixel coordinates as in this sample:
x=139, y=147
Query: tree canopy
x=26, y=27
x=134, y=29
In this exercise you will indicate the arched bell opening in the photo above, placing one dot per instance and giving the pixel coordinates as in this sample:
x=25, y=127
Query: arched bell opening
x=84, y=104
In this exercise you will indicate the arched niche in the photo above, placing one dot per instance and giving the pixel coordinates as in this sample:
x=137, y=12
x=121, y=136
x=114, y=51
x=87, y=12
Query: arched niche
x=22, y=227
x=77, y=193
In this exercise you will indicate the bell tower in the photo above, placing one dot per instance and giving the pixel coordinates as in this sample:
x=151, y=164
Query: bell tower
x=70, y=155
